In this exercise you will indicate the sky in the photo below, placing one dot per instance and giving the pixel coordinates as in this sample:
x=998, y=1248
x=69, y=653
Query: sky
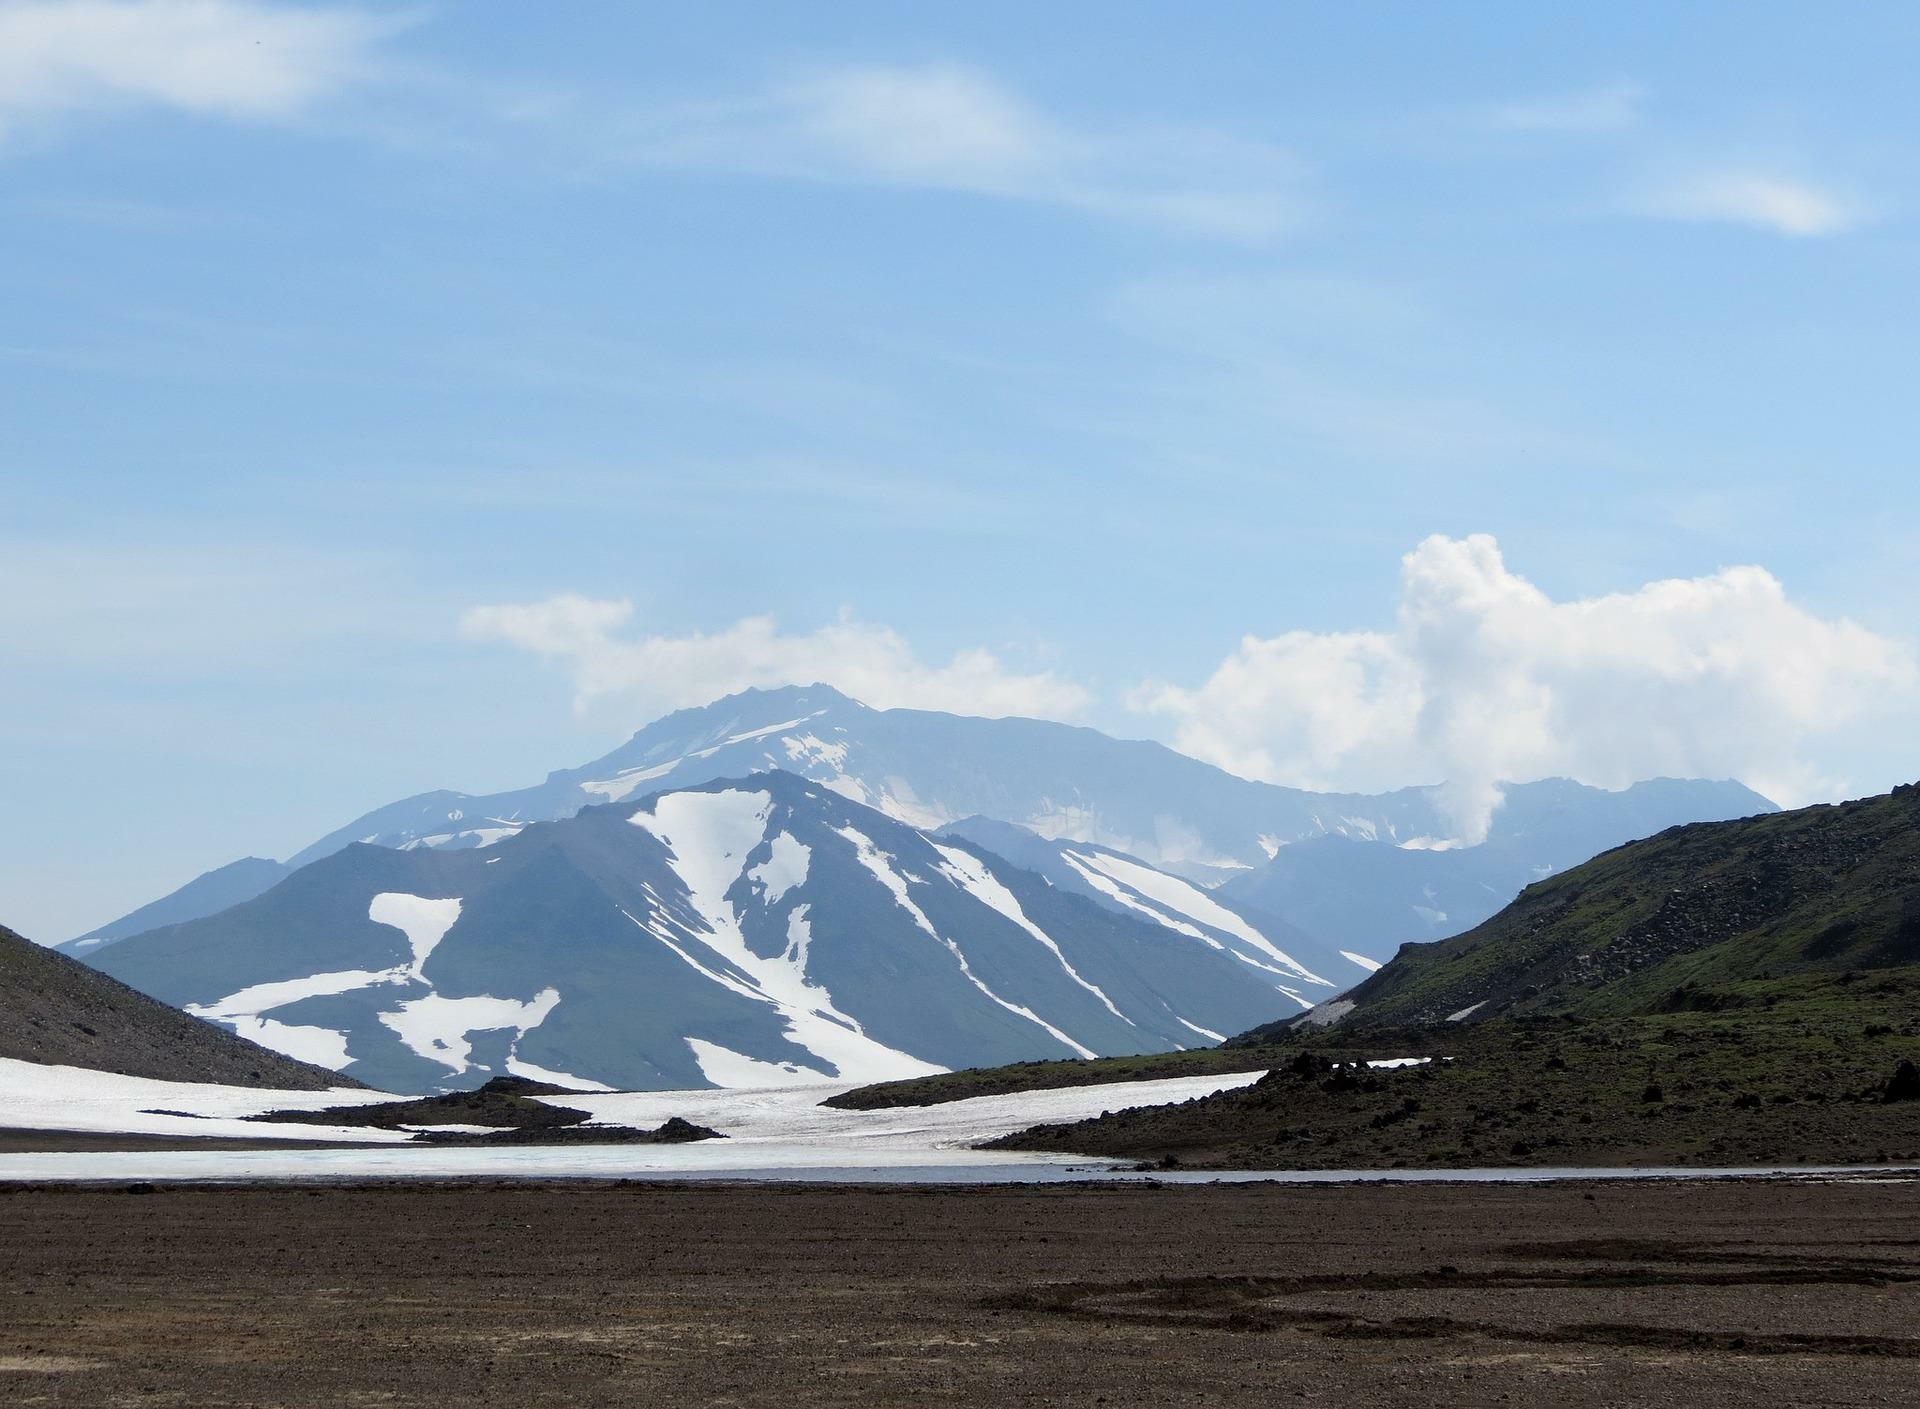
x=397, y=397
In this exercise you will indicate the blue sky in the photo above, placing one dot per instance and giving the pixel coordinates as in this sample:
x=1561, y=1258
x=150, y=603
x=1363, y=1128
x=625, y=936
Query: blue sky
x=399, y=397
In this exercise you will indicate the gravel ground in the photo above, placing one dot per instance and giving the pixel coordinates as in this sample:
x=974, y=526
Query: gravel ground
x=1695, y=1294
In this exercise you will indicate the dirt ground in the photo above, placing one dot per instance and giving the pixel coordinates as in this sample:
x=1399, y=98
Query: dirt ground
x=1693, y=1294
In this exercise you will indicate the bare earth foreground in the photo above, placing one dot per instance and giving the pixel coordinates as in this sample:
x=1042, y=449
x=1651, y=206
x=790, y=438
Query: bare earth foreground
x=431, y=1294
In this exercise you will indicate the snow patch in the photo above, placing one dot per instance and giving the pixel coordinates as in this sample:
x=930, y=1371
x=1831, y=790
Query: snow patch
x=784, y=870
x=725, y=1067
x=436, y=1027
x=321, y=1046
x=1372, y=966
x=1466, y=1012
x=265, y=997
x=1203, y=1031
x=424, y=922
x=518, y=1067
x=622, y=784
x=34, y=1096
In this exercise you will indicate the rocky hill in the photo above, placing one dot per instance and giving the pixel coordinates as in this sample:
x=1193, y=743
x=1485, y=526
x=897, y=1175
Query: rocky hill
x=57, y=1011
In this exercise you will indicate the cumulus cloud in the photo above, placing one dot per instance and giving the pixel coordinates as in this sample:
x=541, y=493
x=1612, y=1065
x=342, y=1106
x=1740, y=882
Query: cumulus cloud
x=946, y=128
x=658, y=673
x=227, y=58
x=1780, y=204
x=1485, y=679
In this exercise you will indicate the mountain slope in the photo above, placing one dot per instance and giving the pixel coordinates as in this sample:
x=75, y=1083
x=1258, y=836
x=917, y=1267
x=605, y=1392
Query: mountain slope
x=1127, y=886
x=1673, y=920
x=57, y=1011
x=206, y=894
x=738, y=933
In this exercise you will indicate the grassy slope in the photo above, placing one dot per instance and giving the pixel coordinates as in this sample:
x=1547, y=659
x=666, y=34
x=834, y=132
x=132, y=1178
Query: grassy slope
x=58, y=1011
x=1676, y=920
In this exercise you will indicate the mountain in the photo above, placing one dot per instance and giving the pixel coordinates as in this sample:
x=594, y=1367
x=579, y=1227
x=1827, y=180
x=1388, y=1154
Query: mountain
x=1676, y=920
x=204, y=895
x=1066, y=784
x=59, y=1012
x=734, y=933
x=1127, y=886
x=1369, y=899
x=926, y=769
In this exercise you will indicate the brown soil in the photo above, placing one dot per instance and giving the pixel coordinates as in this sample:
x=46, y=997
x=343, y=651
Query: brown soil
x=478, y=1294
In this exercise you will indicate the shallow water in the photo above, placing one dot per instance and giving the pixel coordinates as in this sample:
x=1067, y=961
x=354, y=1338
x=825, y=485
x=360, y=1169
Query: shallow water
x=771, y=1162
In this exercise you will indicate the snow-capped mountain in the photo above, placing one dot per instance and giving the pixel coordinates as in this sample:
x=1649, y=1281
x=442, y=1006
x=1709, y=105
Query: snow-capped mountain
x=744, y=932
x=1360, y=875
x=927, y=769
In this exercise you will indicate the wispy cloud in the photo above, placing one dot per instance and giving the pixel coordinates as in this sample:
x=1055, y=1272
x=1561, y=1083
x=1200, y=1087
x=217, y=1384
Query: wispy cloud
x=587, y=637
x=1322, y=360
x=952, y=129
x=237, y=59
x=1611, y=108
x=1783, y=205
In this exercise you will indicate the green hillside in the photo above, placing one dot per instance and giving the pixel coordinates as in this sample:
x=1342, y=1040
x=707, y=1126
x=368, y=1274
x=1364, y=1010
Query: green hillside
x=1684, y=920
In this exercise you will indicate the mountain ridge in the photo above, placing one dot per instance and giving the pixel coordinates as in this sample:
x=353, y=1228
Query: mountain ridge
x=1066, y=783
x=751, y=931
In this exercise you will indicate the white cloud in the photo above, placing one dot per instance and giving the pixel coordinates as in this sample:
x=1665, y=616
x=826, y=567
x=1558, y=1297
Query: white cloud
x=1611, y=108
x=1484, y=678
x=658, y=673
x=1780, y=204
x=945, y=128
x=227, y=58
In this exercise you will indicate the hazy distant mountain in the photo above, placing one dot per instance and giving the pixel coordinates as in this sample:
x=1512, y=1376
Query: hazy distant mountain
x=1370, y=899
x=205, y=895
x=737, y=933
x=1352, y=871
x=926, y=769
